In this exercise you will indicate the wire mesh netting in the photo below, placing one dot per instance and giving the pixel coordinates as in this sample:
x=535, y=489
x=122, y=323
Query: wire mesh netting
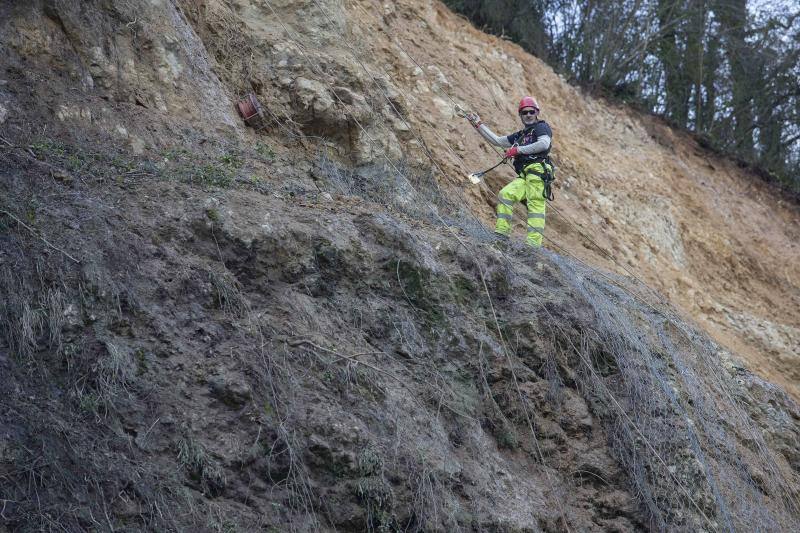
x=673, y=418
x=415, y=192
x=692, y=454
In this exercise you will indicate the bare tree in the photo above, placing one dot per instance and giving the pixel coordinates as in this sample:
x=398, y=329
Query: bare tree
x=724, y=68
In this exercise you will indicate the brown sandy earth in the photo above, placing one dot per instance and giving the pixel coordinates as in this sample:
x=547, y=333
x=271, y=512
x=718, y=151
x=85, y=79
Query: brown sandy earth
x=197, y=367
x=711, y=237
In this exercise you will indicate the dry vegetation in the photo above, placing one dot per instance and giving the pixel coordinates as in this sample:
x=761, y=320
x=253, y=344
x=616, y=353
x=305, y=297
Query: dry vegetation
x=198, y=378
x=219, y=335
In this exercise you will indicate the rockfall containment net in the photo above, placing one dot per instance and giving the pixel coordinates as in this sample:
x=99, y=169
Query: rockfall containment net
x=411, y=191
x=691, y=452
x=674, y=419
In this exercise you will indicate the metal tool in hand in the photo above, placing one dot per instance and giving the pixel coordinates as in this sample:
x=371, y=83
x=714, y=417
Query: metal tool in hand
x=475, y=177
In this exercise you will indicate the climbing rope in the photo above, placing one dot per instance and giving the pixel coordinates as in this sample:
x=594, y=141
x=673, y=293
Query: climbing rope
x=667, y=311
x=613, y=259
x=456, y=236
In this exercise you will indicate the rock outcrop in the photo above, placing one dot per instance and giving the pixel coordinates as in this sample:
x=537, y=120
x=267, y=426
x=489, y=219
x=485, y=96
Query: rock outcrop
x=307, y=327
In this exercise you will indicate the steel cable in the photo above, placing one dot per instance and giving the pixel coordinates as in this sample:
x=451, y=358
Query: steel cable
x=504, y=255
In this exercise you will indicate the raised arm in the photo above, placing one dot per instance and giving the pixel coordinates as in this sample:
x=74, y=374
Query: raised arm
x=486, y=133
x=489, y=135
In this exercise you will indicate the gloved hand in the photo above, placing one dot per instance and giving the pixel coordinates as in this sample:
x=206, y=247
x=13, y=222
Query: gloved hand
x=511, y=152
x=474, y=119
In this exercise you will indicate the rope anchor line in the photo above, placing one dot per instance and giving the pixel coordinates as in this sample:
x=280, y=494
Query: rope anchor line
x=460, y=111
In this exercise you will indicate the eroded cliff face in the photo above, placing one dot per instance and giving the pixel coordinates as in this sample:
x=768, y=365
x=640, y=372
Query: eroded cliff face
x=304, y=327
x=285, y=359
x=377, y=80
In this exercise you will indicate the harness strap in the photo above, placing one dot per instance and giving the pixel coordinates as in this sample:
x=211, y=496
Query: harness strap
x=546, y=175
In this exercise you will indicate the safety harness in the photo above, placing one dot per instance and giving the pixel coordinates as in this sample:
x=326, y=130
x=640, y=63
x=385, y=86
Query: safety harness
x=548, y=175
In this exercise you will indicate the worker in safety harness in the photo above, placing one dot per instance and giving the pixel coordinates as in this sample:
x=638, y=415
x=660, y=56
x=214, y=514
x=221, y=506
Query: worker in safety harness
x=528, y=148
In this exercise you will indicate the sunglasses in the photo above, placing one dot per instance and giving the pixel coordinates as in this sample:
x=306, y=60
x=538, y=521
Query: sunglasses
x=529, y=112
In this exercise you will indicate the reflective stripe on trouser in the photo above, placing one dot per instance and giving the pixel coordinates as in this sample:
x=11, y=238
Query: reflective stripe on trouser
x=530, y=188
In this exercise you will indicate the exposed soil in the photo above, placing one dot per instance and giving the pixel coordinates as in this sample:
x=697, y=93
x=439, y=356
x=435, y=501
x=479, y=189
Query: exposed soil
x=715, y=240
x=209, y=328
x=208, y=366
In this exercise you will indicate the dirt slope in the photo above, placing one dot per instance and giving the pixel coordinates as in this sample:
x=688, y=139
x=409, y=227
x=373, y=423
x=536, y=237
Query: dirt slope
x=209, y=367
x=210, y=328
x=706, y=234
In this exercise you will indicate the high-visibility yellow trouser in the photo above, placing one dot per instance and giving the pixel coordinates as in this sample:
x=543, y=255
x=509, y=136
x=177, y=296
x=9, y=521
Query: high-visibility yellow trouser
x=528, y=185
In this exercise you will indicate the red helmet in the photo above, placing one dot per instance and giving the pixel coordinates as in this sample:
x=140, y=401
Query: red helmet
x=528, y=101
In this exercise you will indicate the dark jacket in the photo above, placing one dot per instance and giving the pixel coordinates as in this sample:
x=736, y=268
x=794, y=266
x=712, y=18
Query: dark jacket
x=529, y=136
